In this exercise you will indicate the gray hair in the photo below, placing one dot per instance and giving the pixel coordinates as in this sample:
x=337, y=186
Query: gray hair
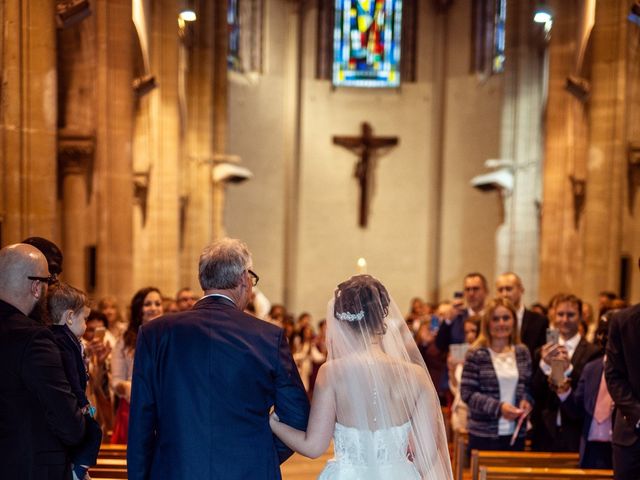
x=223, y=263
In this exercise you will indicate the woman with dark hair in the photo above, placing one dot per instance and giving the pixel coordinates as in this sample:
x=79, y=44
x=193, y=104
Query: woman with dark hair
x=373, y=395
x=146, y=305
x=496, y=380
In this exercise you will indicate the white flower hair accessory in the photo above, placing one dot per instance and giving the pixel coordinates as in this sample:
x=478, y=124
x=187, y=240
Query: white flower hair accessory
x=350, y=317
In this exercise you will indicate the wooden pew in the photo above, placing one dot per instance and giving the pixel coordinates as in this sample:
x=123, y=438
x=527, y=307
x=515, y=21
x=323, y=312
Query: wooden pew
x=543, y=473
x=459, y=454
x=113, y=451
x=489, y=458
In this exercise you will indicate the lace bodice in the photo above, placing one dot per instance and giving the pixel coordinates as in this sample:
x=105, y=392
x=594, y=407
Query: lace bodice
x=363, y=447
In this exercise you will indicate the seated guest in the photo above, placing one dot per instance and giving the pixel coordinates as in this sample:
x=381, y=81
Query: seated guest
x=459, y=409
x=592, y=403
x=68, y=309
x=495, y=381
x=552, y=429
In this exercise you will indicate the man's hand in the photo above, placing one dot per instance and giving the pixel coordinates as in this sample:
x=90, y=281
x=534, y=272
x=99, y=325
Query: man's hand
x=554, y=351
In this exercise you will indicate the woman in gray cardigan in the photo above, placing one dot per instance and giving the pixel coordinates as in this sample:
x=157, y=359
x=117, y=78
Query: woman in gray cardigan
x=495, y=381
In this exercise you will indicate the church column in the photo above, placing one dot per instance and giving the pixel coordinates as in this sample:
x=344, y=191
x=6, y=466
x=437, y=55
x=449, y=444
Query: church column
x=560, y=243
x=606, y=175
x=28, y=120
x=197, y=202
x=219, y=109
x=114, y=189
x=75, y=155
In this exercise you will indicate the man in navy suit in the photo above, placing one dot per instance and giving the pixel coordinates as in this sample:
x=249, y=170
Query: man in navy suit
x=623, y=379
x=592, y=403
x=205, y=380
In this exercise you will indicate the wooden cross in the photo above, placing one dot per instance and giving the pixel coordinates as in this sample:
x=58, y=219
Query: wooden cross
x=364, y=146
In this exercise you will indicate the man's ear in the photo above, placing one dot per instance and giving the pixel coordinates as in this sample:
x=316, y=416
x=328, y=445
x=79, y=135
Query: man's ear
x=35, y=291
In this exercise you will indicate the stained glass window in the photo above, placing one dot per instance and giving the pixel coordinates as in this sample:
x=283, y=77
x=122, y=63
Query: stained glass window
x=244, y=21
x=366, y=50
x=499, y=36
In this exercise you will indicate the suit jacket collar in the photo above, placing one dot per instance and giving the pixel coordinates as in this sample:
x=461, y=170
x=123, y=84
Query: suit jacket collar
x=212, y=300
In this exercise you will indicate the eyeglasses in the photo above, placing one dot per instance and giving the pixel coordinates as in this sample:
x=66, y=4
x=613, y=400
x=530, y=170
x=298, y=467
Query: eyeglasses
x=50, y=280
x=254, y=278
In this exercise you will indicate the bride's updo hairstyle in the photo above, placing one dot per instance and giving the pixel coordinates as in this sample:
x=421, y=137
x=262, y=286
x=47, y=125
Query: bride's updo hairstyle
x=362, y=302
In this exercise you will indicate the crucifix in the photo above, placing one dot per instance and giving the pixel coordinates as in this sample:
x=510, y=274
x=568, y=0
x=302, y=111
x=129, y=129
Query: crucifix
x=364, y=146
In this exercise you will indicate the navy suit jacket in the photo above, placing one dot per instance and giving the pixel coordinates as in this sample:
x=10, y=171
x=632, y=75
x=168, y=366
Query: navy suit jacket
x=581, y=403
x=623, y=374
x=203, y=384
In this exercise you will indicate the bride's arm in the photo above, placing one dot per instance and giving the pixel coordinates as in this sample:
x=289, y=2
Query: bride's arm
x=315, y=441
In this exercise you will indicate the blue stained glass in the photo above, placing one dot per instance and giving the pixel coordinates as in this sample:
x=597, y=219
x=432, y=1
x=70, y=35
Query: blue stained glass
x=366, y=43
x=499, y=36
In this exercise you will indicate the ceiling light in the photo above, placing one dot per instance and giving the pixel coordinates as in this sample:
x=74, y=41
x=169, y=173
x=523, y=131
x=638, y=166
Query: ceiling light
x=188, y=16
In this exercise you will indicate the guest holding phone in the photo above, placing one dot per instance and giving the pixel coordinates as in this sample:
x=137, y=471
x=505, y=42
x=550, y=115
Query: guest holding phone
x=98, y=352
x=495, y=381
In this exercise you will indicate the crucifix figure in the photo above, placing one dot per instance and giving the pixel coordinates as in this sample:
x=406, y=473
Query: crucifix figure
x=364, y=146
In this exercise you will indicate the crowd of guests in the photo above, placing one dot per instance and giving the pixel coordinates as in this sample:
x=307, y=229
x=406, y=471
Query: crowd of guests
x=504, y=373
x=507, y=373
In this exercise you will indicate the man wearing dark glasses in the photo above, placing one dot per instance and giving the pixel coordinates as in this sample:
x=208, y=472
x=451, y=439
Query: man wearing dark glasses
x=54, y=257
x=39, y=415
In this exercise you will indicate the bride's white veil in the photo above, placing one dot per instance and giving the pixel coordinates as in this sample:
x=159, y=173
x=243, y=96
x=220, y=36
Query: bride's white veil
x=380, y=379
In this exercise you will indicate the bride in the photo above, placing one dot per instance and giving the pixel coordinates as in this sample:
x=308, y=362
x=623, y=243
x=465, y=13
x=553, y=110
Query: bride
x=373, y=395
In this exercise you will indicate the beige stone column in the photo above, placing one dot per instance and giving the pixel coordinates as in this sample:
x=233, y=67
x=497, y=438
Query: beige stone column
x=560, y=243
x=196, y=191
x=220, y=91
x=75, y=156
x=28, y=120
x=606, y=179
x=114, y=189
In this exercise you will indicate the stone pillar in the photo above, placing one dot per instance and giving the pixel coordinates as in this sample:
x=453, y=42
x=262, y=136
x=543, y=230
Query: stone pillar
x=606, y=175
x=219, y=109
x=197, y=207
x=28, y=120
x=75, y=157
x=521, y=143
x=114, y=189
x=561, y=253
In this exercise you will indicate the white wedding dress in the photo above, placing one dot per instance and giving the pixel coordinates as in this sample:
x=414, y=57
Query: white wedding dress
x=352, y=449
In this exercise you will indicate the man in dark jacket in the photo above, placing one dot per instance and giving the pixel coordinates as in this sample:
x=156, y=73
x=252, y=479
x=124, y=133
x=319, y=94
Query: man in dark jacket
x=39, y=416
x=205, y=380
x=622, y=370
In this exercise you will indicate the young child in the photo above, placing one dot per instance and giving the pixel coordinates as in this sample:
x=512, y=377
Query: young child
x=68, y=309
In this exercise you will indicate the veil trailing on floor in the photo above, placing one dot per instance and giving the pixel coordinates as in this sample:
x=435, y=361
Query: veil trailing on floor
x=381, y=381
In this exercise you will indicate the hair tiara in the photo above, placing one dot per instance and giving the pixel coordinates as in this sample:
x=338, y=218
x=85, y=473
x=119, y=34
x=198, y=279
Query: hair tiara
x=350, y=317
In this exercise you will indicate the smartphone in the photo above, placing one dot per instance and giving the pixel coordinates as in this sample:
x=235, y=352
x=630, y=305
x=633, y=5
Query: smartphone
x=99, y=333
x=435, y=323
x=553, y=335
x=458, y=294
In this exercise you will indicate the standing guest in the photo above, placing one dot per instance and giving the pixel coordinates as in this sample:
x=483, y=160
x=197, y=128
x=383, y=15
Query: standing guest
x=54, y=257
x=475, y=293
x=531, y=325
x=303, y=355
x=206, y=379
x=552, y=430
x=185, y=299
x=495, y=381
x=416, y=314
x=592, y=403
x=117, y=324
x=68, y=309
x=98, y=352
x=146, y=305
x=39, y=416
x=434, y=359
x=459, y=409
x=318, y=353
x=169, y=305
x=623, y=380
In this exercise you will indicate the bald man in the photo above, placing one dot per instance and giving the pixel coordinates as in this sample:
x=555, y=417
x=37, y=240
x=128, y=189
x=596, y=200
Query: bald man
x=531, y=325
x=39, y=416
